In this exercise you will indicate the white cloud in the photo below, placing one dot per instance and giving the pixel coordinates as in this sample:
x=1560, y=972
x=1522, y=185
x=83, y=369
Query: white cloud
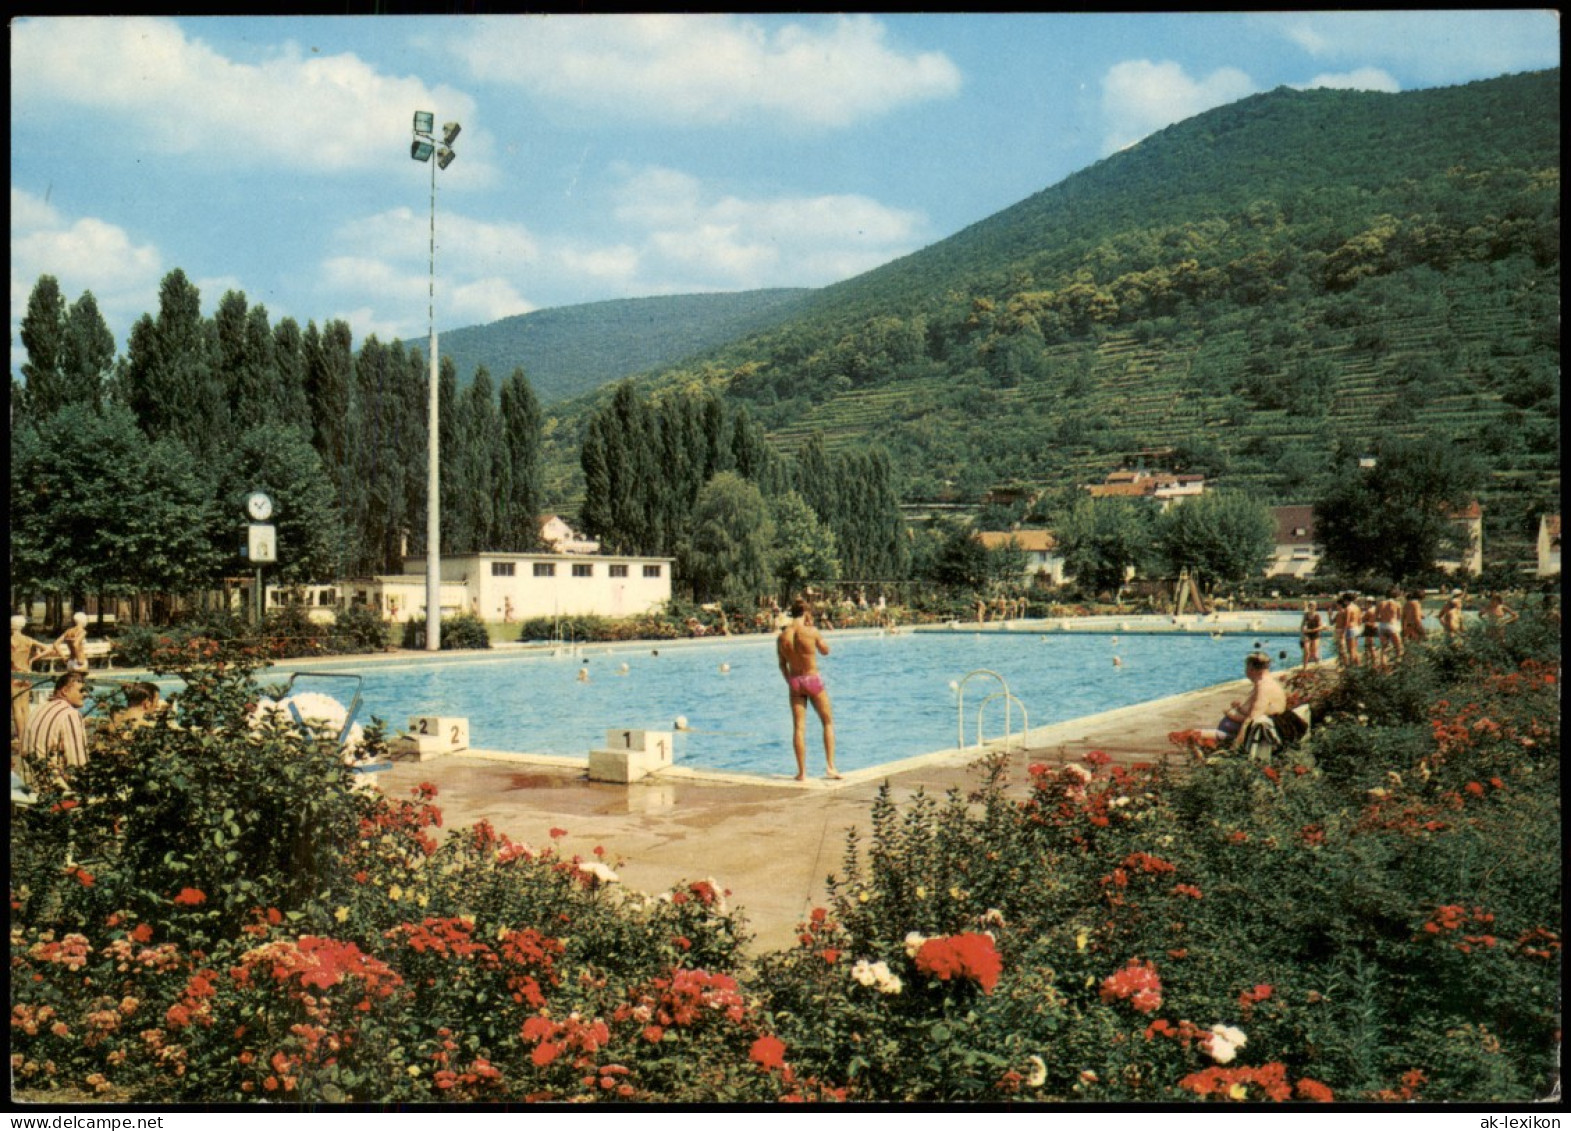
x=708, y=69
x=173, y=93
x=1140, y=97
x=1434, y=46
x=725, y=242
x=84, y=254
x=485, y=300
x=1365, y=78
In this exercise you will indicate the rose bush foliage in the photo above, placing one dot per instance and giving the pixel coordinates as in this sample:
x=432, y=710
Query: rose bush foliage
x=215, y=913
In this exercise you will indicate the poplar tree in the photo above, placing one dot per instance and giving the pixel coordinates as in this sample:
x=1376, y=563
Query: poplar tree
x=518, y=472
x=43, y=337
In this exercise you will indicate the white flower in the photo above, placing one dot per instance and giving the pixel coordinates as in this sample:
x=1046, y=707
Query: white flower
x=1038, y=1074
x=1225, y=1043
x=599, y=871
x=991, y=917
x=1118, y=802
x=1077, y=771
x=878, y=975
x=914, y=943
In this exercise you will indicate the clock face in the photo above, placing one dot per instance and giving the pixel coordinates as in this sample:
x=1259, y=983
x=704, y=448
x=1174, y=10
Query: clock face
x=259, y=506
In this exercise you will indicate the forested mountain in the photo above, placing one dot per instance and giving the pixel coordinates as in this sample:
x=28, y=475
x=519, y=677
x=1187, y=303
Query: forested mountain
x=569, y=350
x=1258, y=292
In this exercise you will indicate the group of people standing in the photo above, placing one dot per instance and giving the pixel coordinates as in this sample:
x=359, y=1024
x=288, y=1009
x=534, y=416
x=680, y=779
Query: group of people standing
x=1384, y=626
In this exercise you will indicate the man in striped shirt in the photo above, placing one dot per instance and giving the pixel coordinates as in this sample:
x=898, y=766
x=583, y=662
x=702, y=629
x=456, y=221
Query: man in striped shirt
x=55, y=732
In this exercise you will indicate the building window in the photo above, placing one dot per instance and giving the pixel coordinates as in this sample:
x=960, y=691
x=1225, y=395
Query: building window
x=651, y=571
x=583, y=569
x=619, y=571
x=545, y=569
x=502, y=569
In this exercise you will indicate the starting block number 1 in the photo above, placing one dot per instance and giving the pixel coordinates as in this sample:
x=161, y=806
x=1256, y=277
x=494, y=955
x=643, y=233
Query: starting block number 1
x=654, y=742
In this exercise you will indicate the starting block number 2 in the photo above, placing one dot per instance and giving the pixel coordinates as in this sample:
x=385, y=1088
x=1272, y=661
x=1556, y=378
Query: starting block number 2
x=452, y=732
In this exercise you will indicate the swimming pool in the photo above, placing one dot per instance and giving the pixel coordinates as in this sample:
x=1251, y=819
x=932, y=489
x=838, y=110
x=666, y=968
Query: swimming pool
x=891, y=694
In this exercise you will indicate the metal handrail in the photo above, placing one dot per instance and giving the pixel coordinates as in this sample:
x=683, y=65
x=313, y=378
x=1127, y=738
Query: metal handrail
x=960, y=736
x=1008, y=698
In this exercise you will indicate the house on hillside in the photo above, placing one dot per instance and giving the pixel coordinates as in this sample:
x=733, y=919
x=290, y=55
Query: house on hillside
x=529, y=585
x=1165, y=487
x=1469, y=524
x=1549, y=546
x=1294, y=553
x=560, y=538
x=1044, y=566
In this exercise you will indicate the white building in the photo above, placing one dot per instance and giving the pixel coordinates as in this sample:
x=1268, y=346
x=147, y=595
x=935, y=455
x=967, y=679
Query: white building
x=1549, y=545
x=1043, y=563
x=500, y=586
x=1294, y=553
x=1469, y=524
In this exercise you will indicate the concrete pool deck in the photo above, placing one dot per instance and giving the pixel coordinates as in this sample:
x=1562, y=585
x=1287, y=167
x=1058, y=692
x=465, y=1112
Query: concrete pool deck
x=769, y=841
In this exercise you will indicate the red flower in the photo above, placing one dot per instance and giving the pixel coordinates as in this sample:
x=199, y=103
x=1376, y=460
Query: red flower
x=83, y=877
x=767, y=1052
x=653, y=1034
x=545, y=1052
x=190, y=897
x=831, y=956
x=1475, y=789
x=967, y=955
x=556, y=834
x=1314, y=1091
x=1136, y=983
x=1097, y=758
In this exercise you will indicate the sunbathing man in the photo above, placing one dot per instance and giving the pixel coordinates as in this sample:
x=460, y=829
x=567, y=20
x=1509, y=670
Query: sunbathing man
x=1266, y=698
x=798, y=648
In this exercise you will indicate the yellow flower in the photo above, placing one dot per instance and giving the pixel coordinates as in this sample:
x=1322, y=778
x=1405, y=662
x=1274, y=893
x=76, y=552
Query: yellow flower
x=414, y=1070
x=467, y=920
x=422, y=899
x=342, y=914
x=954, y=893
x=1237, y=1091
x=921, y=892
x=862, y=897
x=1081, y=938
x=395, y=893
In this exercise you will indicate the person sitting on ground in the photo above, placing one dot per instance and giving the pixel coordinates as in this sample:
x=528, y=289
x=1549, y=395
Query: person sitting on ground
x=1266, y=698
x=56, y=737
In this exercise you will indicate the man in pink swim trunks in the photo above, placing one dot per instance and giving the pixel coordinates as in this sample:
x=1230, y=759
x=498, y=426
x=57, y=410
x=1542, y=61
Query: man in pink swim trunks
x=798, y=649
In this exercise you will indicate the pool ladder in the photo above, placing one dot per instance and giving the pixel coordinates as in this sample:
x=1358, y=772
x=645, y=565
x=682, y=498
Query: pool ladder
x=1009, y=699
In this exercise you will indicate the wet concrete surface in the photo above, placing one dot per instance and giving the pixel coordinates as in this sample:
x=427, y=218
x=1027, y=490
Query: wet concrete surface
x=770, y=844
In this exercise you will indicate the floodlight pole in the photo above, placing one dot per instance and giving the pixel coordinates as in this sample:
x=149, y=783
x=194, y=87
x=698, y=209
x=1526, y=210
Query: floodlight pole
x=425, y=148
x=433, y=522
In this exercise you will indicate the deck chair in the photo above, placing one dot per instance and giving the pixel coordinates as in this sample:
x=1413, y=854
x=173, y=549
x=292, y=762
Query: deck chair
x=1264, y=737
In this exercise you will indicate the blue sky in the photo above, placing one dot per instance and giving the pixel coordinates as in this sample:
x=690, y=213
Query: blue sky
x=613, y=157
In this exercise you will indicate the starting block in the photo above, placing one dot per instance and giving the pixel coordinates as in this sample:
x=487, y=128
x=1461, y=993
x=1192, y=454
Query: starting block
x=630, y=755
x=431, y=736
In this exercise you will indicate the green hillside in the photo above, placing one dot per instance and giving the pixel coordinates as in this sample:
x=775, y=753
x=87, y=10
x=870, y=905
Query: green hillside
x=569, y=350
x=1243, y=293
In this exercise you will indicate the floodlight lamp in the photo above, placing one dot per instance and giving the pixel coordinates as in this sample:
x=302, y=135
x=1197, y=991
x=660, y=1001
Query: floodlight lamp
x=425, y=122
x=421, y=150
x=449, y=132
x=444, y=157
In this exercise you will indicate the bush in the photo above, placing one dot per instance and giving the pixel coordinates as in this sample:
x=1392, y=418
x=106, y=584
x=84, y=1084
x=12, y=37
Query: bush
x=360, y=628
x=462, y=630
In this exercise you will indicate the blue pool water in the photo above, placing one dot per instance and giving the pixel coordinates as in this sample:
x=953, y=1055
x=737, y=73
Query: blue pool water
x=891, y=694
